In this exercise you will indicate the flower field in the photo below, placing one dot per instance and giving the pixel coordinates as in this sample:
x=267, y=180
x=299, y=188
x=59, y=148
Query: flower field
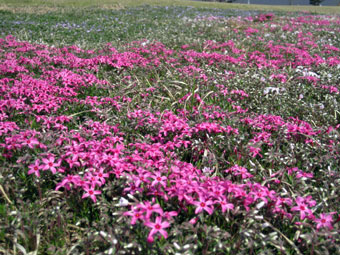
x=121, y=134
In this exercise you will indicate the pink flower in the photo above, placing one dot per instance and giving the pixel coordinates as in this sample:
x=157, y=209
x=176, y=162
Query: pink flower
x=136, y=214
x=101, y=175
x=281, y=200
x=302, y=207
x=141, y=178
x=90, y=192
x=193, y=220
x=158, y=178
x=203, y=204
x=302, y=174
x=325, y=220
x=132, y=188
x=31, y=142
x=149, y=209
x=73, y=161
x=239, y=170
x=217, y=192
x=260, y=194
x=169, y=215
x=158, y=226
x=254, y=151
x=93, y=179
x=50, y=164
x=34, y=168
x=225, y=205
x=70, y=179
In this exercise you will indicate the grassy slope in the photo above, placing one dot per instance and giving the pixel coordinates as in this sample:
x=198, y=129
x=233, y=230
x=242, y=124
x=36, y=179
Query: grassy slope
x=31, y=5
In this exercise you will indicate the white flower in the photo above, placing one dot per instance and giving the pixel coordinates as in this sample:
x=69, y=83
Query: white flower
x=311, y=74
x=273, y=90
x=305, y=72
x=206, y=170
x=123, y=202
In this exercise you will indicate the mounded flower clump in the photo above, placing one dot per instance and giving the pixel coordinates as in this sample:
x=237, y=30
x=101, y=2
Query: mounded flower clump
x=233, y=143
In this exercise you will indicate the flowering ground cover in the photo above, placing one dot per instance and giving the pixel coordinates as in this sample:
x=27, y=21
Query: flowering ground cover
x=221, y=140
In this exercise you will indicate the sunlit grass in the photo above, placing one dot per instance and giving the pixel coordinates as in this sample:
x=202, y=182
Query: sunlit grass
x=48, y=5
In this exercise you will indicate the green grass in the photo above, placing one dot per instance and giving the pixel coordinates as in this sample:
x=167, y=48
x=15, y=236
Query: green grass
x=31, y=5
x=91, y=28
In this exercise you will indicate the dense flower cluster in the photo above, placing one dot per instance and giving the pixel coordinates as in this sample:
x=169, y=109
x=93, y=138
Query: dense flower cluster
x=210, y=152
